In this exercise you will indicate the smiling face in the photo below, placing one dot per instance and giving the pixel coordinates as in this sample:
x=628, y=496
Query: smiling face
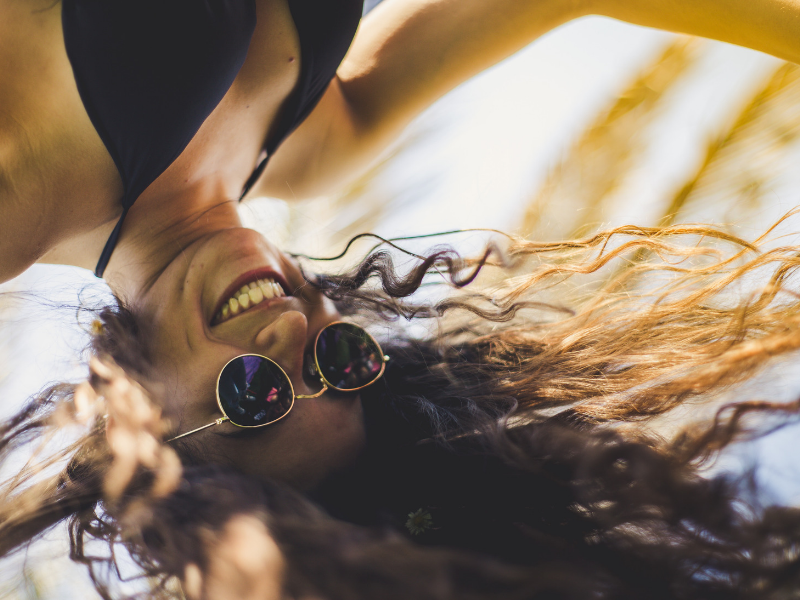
x=231, y=293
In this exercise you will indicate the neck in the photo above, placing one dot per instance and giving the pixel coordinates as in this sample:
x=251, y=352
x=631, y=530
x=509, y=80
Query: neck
x=158, y=229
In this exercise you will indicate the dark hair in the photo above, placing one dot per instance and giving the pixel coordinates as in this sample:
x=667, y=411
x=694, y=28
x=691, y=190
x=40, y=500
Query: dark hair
x=497, y=434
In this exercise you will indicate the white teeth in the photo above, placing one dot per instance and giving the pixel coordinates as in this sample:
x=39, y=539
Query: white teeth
x=247, y=296
x=256, y=295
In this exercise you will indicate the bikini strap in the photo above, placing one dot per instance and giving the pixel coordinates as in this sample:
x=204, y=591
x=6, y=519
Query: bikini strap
x=110, y=245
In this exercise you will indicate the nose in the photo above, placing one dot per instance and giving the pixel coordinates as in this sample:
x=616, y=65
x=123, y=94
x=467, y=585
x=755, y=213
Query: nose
x=284, y=341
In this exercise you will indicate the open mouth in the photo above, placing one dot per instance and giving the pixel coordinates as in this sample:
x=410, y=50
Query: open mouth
x=246, y=296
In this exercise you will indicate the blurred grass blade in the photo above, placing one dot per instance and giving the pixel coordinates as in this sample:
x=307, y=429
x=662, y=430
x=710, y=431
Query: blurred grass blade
x=740, y=162
x=575, y=188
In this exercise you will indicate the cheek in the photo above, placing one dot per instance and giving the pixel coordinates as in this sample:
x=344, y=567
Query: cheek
x=187, y=399
x=320, y=437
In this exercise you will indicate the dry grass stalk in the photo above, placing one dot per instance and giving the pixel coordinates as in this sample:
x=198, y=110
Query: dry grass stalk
x=576, y=187
x=741, y=162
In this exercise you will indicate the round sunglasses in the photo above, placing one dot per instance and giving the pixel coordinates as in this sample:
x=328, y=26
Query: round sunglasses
x=254, y=391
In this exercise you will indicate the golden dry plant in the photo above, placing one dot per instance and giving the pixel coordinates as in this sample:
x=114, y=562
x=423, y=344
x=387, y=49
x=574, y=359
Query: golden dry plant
x=741, y=164
x=733, y=183
x=574, y=191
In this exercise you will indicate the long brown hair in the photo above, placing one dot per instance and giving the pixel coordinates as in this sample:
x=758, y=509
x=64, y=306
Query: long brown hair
x=509, y=402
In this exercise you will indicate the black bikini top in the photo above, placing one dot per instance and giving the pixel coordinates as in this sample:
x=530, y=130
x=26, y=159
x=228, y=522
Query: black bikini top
x=149, y=72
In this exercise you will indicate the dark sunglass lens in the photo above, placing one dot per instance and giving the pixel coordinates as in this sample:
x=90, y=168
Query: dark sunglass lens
x=254, y=391
x=348, y=357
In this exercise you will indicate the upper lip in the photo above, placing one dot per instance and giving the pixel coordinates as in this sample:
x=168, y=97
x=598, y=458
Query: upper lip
x=245, y=278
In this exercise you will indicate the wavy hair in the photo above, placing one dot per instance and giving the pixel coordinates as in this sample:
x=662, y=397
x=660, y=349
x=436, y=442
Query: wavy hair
x=503, y=426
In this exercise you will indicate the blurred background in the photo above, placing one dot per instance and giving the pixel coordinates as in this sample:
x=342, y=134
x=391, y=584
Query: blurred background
x=597, y=124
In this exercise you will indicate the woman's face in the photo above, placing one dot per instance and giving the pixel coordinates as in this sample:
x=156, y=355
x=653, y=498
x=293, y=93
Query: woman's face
x=193, y=338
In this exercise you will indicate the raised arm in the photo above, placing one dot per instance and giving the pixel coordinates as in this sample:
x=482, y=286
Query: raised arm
x=408, y=53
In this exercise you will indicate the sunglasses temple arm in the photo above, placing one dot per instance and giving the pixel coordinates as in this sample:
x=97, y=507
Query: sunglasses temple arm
x=217, y=422
x=318, y=394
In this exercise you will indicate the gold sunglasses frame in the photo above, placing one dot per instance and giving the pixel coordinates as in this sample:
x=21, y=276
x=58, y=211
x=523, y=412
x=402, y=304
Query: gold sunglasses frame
x=326, y=385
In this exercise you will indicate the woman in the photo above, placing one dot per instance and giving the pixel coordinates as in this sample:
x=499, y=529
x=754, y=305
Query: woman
x=179, y=274
x=481, y=468
x=182, y=253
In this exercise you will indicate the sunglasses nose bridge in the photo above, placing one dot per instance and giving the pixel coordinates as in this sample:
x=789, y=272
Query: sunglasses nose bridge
x=318, y=394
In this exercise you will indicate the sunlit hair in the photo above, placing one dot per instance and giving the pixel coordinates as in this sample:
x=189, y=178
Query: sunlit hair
x=539, y=352
x=592, y=324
